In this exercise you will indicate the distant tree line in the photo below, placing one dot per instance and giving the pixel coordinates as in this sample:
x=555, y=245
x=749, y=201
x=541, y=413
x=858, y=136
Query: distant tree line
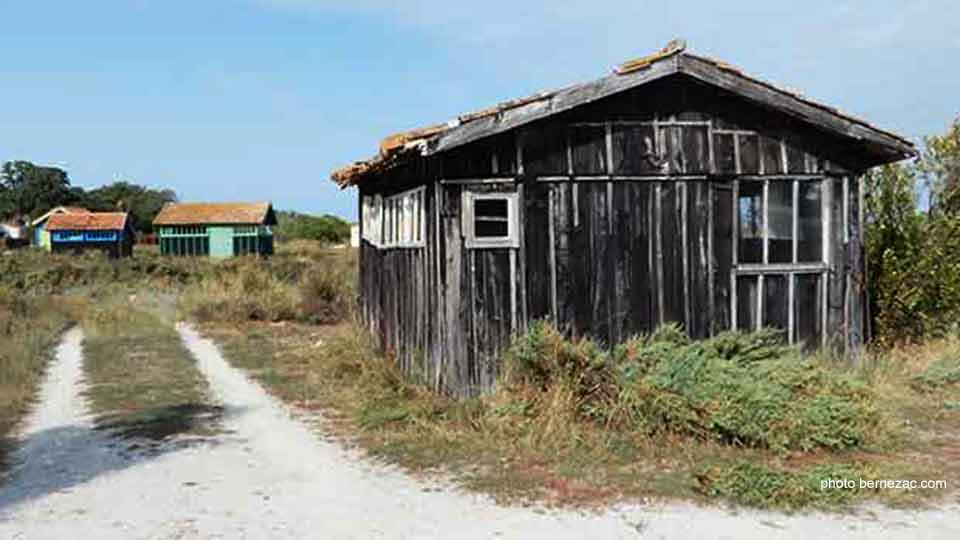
x=327, y=229
x=28, y=191
x=913, y=249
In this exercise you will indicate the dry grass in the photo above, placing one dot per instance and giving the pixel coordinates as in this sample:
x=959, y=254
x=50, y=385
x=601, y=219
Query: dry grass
x=304, y=283
x=29, y=328
x=527, y=442
x=143, y=381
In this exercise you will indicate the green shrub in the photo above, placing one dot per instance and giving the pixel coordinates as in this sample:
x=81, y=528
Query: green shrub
x=758, y=485
x=941, y=373
x=736, y=388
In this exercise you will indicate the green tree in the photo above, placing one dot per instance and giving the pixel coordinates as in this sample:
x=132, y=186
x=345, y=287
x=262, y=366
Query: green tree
x=30, y=190
x=143, y=203
x=327, y=229
x=914, y=258
x=894, y=230
x=941, y=165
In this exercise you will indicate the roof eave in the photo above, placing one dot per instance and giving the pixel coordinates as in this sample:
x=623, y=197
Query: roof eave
x=882, y=146
x=731, y=79
x=563, y=100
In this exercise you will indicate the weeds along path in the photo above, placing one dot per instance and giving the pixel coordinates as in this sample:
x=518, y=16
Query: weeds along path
x=265, y=475
x=60, y=448
x=316, y=489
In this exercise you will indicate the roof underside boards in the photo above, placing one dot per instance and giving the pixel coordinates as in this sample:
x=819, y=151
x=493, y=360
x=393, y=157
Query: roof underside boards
x=880, y=146
x=259, y=213
x=89, y=221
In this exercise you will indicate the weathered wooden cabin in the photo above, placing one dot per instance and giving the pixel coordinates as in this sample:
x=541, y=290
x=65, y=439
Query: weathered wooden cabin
x=677, y=188
x=216, y=229
x=109, y=232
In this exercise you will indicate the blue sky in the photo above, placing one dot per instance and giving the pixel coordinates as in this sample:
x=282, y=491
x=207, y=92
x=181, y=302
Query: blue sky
x=261, y=99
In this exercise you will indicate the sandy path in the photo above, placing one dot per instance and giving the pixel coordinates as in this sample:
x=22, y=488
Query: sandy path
x=270, y=477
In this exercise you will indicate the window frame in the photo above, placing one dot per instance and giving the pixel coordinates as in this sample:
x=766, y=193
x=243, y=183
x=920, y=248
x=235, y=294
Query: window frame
x=403, y=223
x=791, y=270
x=468, y=224
x=372, y=219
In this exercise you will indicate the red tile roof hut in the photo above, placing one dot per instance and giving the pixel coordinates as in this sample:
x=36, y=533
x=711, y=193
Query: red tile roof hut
x=676, y=189
x=109, y=232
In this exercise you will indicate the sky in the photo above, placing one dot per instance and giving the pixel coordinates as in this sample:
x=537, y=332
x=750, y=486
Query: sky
x=262, y=99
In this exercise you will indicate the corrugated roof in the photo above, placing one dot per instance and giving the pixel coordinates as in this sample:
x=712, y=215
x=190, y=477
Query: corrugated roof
x=670, y=60
x=88, y=221
x=215, y=214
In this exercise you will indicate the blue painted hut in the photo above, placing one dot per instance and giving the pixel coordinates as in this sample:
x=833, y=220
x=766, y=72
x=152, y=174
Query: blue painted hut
x=109, y=232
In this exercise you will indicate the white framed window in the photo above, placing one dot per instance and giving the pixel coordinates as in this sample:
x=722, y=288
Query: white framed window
x=403, y=219
x=490, y=219
x=372, y=209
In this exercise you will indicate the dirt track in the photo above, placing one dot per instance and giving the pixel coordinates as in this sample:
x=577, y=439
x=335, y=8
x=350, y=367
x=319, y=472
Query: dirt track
x=268, y=476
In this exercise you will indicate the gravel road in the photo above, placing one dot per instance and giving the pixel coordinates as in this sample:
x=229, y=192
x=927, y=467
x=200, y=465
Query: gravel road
x=269, y=476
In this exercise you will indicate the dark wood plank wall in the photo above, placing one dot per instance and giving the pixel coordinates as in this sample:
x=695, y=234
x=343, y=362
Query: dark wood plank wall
x=398, y=303
x=627, y=222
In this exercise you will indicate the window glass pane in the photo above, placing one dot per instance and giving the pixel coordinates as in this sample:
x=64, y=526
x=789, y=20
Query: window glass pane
x=780, y=218
x=776, y=299
x=750, y=207
x=808, y=310
x=491, y=229
x=747, y=302
x=809, y=223
x=490, y=208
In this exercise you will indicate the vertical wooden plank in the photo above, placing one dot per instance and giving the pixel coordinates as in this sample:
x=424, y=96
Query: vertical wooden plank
x=836, y=284
x=563, y=266
x=858, y=288
x=434, y=237
x=697, y=267
x=593, y=272
x=685, y=253
x=671, y=244
x=722, y=255
x=538, y=254
x=613, y=272
x=658, y=283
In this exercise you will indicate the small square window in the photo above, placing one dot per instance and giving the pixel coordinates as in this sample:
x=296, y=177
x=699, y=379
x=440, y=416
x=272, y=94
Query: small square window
x=490, y=219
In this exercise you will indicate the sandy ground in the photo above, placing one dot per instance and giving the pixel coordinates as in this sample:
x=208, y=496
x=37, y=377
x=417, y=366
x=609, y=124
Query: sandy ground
x=268, y=476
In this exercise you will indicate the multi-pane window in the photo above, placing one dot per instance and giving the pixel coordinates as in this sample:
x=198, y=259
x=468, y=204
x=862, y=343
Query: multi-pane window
x=184, y=240
x=490, y=219
x=780, y=221
x=781, y=266
x=398, y=221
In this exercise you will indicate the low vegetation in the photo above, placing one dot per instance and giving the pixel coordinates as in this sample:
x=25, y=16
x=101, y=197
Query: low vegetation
x=142, y=380
x=303, y=283
x=739, y=417
x=29, y=328
x=324, y=229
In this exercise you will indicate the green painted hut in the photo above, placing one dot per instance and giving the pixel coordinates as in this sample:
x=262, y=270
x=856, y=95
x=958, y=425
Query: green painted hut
x=216, y=229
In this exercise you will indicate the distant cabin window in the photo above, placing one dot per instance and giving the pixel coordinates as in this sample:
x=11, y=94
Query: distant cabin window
x=404, y=219
x=490, y=219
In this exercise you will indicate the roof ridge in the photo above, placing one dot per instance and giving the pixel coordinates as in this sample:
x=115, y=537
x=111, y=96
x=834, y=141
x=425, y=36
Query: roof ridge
x=394, y=147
